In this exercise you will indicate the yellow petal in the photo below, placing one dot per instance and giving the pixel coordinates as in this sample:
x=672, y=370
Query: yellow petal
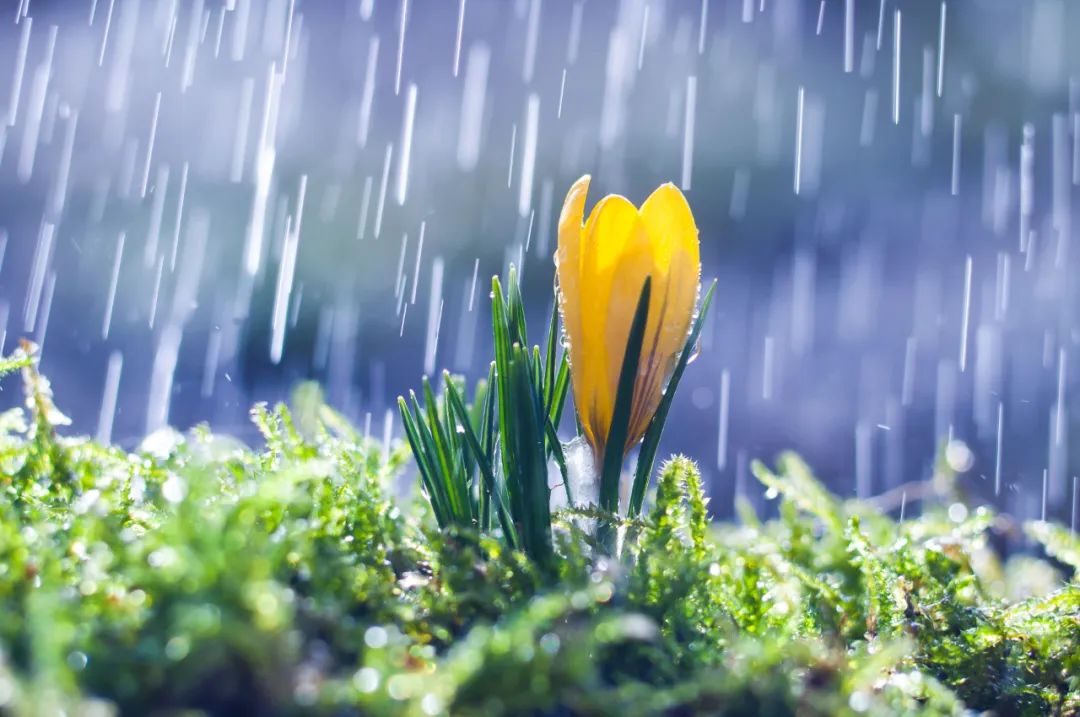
x=670, y=224
x=673, y=239
x=610, y=229
x=602, y=268
x=568, y=267
x=635, y=265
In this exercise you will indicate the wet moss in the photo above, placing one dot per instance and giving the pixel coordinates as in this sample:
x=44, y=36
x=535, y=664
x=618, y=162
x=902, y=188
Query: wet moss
x=199, y=574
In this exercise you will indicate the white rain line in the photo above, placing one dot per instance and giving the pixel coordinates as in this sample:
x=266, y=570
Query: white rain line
x=998, y=448
x=63, y=173
x=1045, y=486
x=155, y=295
x=382, y=188
x=1076, y=149
x=150, y=146
x=365, y=204
x=941, y=52
x=641, y=41
x=170, y=41
x=367, y=97
x=435, y=311
x=265, y=159
x=528, y=158
x=105, y=34
x=896, y=67
x=287, y=41
x=401, y=46
x=532, y=35
x=907, y=388
x=35, y=110
x=401, y=187
x=219, y=33
x=767, y=370
x=286, y=274
x=702, y=26
x=46, y=312
x=799, y=138
x=574, y=34
x=240, y=137
x=179, y=219
x=472, y=290
x=1027, y=184
x=513, y=146
x=474, y=88
x=457, y=41
x=849, y=36
x=399, y=278
x=114, y=282
x=956, y=136
x=965, y=319
x=388, y=433
x=1059, y=409
x=107, y=412
x=529, y=233
x=42, y=253
x=688, y=132
x=210, y=364
x=880, y=24
x=20, y=72
x=416, y=266
x=562, y=93
x=722, y=431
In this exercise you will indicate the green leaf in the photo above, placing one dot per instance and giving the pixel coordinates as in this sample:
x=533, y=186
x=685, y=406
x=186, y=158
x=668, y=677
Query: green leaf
x=611, y=467
x=491, y=486
x=423, y=464
x=651, y=441
x=530, y=471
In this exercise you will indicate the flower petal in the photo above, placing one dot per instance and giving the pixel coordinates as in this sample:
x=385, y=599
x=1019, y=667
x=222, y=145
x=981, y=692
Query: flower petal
x=612, y=230
x=568, y=268
x=673, y=238
x=670, y=224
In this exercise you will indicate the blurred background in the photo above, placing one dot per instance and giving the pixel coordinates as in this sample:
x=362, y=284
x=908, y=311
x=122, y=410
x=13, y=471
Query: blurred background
x=203, y=202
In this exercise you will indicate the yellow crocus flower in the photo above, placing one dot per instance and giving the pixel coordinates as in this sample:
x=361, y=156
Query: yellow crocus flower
x=602, y=264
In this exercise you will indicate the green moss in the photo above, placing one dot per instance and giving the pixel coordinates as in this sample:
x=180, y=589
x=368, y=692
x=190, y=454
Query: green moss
x=199, y=574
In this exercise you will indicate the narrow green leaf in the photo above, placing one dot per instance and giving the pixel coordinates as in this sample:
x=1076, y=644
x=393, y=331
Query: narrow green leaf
x=651, y=442
x=423, y=464
x=451, y=476
x=556, y=451
x=558, y=394
x=439, y=478
x=550, y=352
x=490, y=483
x=624, y=399
x=534, y=498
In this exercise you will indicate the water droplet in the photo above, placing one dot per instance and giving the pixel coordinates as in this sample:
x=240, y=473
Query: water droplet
x=174, y=489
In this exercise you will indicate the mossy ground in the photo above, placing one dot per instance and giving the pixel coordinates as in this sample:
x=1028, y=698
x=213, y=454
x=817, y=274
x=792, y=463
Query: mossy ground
x=199, y=574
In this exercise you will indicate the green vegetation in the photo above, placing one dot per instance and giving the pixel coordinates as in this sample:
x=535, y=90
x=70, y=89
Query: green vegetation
x=196, y=573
